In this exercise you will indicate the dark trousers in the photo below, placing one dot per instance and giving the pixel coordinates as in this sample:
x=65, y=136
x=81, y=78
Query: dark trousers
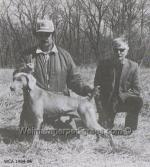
x=131, y=106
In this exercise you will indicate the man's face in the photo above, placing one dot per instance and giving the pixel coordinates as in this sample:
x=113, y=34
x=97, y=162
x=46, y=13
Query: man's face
x=120, y=52
x=45, y=38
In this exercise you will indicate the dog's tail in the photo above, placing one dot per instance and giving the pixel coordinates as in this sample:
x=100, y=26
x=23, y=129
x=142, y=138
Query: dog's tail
x=95, y=92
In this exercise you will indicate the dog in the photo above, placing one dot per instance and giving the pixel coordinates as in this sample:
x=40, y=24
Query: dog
x=41, y=102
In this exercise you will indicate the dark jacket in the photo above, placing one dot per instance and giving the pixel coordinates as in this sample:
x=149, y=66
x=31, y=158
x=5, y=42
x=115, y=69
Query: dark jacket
x=128, y=85
x=57, y=74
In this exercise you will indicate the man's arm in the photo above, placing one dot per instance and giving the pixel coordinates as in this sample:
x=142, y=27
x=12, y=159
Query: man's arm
x=74, y=81
x=136, y=88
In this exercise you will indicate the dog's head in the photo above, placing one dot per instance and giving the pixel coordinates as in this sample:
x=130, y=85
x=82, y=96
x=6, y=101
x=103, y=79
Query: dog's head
x=23, y=80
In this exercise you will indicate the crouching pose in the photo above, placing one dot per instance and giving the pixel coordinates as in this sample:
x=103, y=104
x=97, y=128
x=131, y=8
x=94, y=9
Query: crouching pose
x=118, y=79
x=39, y=103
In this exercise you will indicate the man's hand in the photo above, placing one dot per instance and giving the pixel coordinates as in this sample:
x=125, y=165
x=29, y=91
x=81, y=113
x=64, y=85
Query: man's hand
x=133, y=92
x=94, y=93
x=30, y=67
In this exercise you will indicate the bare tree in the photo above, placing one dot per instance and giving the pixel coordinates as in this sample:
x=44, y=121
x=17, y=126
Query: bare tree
x=84, y=27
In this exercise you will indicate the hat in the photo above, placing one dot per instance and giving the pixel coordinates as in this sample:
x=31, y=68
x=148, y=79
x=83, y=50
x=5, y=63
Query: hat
x=45, y=26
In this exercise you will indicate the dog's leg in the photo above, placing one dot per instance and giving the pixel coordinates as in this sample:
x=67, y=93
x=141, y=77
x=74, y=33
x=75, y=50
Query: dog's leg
x=22, y=118
x=35, y=128
x=88, y=116
x=36, y=133
x=71, y=121
x=38, y=120
x=22, y=125
x=73, y=124
x=38, y=125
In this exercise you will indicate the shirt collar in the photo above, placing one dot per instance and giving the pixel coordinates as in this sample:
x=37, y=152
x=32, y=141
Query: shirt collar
x=124, y=61
x=53, y=50
x=120, y=65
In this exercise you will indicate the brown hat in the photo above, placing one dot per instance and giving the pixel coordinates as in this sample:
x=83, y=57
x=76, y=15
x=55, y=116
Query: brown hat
x=45, y=26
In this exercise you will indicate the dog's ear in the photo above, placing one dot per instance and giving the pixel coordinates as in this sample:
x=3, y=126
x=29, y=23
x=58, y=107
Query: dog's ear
x=31, y=81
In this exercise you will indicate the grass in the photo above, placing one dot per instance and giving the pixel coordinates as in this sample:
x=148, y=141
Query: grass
x=133, y=150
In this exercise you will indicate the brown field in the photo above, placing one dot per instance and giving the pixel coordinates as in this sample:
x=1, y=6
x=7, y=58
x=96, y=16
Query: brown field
x=132, y=150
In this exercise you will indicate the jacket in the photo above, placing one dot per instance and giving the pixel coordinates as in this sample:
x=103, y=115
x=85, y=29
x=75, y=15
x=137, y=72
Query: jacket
x=129, y=84
x=54, y=71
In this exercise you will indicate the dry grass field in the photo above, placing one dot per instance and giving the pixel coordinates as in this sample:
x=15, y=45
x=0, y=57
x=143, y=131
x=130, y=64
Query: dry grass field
x=132, y=150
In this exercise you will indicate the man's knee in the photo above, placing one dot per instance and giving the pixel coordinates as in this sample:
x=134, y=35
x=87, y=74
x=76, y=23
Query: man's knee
x=135, y=102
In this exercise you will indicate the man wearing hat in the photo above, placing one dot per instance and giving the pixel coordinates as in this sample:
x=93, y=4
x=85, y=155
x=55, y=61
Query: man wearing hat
x=118, y=79
x=52, y=66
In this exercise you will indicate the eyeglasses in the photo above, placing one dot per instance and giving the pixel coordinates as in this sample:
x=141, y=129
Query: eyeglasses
x=43, y=34
x=119, y=49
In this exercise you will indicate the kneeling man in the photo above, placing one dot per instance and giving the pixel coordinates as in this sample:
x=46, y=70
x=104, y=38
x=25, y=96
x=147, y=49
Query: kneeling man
x=118, y=79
